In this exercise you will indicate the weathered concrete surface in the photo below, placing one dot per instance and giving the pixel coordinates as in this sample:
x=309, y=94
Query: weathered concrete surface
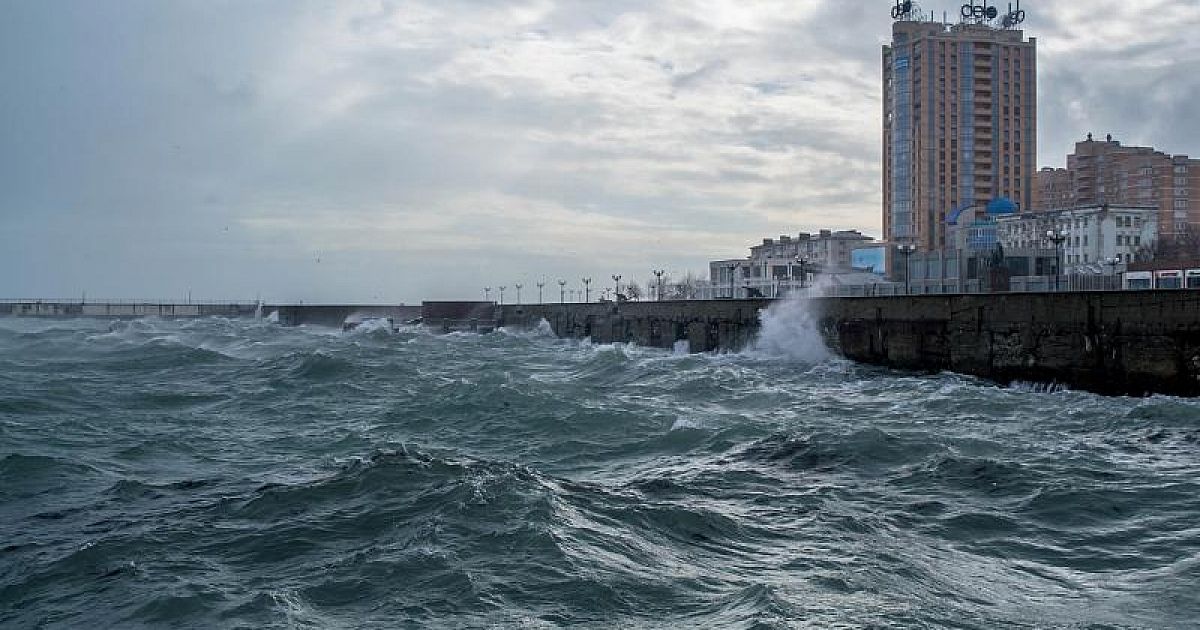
x=335, y=315
x=1108, y=342
x=448, y=317
x=705, y=325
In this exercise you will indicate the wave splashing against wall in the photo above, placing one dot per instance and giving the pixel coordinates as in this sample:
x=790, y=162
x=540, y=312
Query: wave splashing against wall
x=790, y=331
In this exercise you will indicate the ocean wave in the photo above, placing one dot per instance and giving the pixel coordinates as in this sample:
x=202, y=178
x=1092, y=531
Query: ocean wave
x=869, y=448
x=221, y=473
x=973, y=476
x=25, y=476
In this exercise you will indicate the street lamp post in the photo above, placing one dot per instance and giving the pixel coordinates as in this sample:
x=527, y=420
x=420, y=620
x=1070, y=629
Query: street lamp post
x=587, y=289
x=502, y=295
x=562, y=291
x=906, y=251
x=1058, y=238
x=732, y=278
x=1111, y=262
x=617, y=290
x=802, y=263
x=539, y=286
x=659, y=273
x=487, y=294
x=519, y=287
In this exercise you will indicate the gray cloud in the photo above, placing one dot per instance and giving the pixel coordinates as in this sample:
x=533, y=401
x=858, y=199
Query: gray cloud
x=409, y=149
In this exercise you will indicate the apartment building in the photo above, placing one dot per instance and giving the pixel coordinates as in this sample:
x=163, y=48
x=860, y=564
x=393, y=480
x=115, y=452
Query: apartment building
x=1107, y=172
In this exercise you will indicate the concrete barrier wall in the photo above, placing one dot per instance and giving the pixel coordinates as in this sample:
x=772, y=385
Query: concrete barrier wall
x=1108, y=342
x=336, y=315
x=706, y=325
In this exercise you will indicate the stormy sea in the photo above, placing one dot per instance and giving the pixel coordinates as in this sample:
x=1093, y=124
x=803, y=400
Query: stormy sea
x=238, y=474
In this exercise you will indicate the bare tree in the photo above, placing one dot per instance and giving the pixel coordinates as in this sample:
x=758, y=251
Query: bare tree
x=686, y=288
x=633, y=291
x=1183, y=247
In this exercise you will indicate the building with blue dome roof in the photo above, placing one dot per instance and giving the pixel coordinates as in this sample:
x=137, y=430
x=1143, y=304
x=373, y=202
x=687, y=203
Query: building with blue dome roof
x=1001, y=205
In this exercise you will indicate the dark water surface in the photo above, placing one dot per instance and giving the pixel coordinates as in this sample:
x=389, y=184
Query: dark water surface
x=235, y=474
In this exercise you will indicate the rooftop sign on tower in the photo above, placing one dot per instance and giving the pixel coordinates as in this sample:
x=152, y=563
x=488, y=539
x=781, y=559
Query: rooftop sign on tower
x=903, y=10
x=980, y=12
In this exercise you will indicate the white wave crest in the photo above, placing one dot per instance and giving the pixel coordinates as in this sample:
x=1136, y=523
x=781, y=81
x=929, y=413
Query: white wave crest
x=790, y=331
x=544, y=329
x=369, y=325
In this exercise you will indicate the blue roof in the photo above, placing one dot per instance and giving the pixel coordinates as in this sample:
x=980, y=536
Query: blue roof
x=1001, y=205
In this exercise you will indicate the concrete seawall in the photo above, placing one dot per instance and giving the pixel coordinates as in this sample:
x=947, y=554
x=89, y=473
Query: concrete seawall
x=1107, y=342
x=336, y=315
x=706, y=325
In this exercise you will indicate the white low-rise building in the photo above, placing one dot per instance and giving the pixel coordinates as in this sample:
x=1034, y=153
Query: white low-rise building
x=783, y=265
x=1090, y=236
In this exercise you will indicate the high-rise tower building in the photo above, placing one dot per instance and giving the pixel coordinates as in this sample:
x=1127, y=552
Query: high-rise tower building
x=959, y=119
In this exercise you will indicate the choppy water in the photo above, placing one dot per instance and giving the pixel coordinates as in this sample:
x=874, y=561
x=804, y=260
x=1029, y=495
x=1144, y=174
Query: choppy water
x=237, y=474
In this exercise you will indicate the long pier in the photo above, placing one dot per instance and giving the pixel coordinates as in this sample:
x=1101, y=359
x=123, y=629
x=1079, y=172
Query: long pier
x=334, y=315
x=1115, y=342
x=124, y=310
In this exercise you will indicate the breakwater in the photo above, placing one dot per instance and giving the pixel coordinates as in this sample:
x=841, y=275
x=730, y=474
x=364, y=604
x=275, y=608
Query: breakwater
x=1121, y=342
x=334, y=315
x=1126, y=342
x=124, y=310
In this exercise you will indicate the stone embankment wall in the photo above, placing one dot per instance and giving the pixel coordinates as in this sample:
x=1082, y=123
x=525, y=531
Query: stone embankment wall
x=1108, y=342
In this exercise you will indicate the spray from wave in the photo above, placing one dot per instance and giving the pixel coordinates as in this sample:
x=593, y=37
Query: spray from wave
x=368, y=325
x=790, y=331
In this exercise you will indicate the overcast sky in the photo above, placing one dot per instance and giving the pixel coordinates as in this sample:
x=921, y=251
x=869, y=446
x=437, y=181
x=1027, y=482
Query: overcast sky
x=398, y=150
